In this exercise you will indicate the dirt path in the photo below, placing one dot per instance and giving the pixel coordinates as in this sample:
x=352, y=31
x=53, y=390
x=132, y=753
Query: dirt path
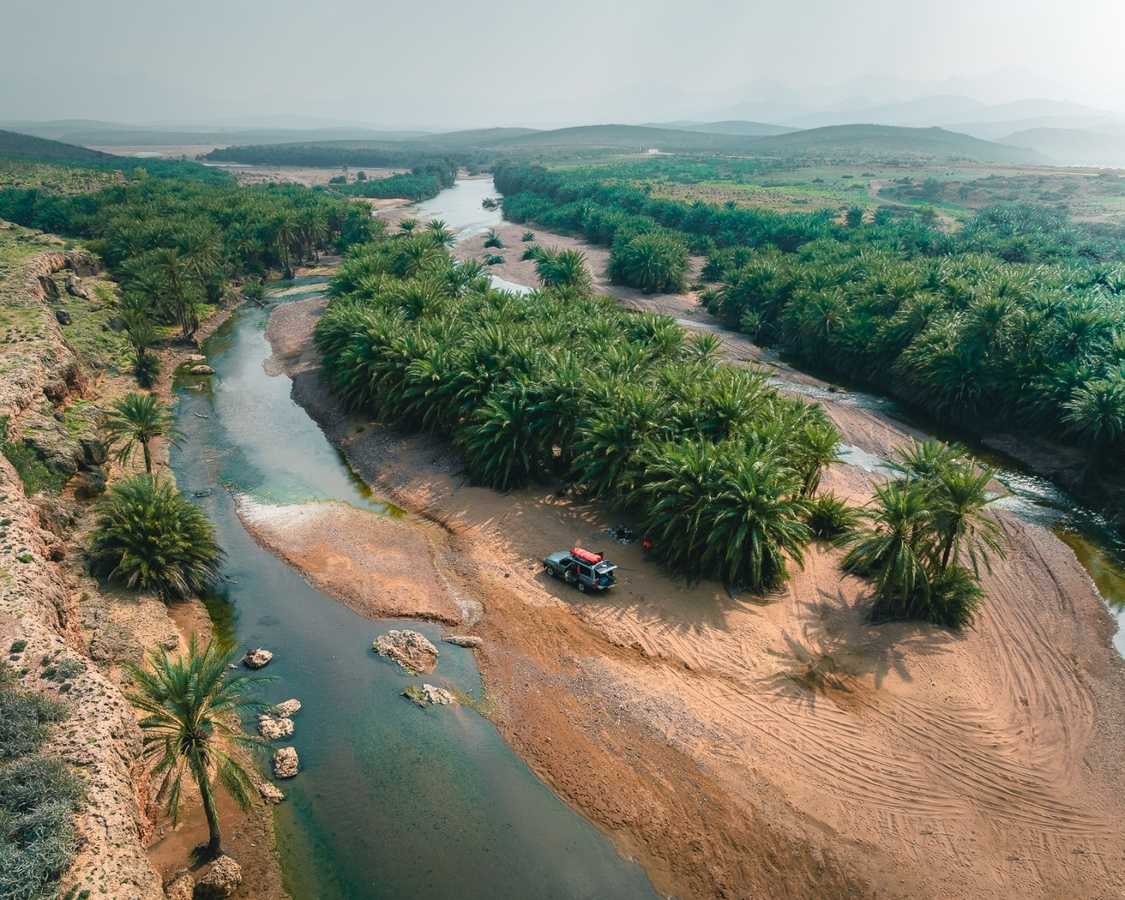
x=781, y=747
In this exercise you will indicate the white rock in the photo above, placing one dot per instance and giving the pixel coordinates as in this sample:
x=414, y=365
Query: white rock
x=437, y=696
x=201, y=369
x=274, y=727
x=270, y=792
x=285, y=762
x=287, y=708
x=255, y=659
x=463, y=640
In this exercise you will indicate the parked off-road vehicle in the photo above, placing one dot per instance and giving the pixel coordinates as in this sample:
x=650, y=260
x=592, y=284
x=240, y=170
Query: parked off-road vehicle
x=585, y=570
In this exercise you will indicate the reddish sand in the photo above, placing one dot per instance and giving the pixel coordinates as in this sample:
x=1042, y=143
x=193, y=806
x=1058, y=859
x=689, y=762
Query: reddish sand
x=779, y=746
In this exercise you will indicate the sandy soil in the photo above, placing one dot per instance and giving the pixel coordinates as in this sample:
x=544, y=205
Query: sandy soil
x=744, y=746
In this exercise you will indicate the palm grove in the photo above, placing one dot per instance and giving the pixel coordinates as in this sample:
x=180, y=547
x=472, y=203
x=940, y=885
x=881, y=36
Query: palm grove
x=1016, y=322
x=560, y=384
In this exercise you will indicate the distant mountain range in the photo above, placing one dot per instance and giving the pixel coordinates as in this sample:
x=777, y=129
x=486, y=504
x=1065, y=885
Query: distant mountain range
x=1072, y=146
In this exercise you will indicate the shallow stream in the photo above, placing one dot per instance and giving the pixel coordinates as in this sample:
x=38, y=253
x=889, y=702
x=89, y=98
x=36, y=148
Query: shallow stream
x=392, y=801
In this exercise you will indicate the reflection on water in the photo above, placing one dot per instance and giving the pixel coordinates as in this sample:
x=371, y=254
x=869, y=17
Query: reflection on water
x=460, y=208
x=392, y=801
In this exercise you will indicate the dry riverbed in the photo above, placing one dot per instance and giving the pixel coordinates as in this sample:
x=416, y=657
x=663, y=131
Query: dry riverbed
x=779, y=746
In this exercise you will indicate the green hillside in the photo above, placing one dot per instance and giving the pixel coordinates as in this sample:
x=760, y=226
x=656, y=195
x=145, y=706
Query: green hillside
x=623, y=137
x=476, y=137
x=14, y=145
x=854, y=141
x=737, y=127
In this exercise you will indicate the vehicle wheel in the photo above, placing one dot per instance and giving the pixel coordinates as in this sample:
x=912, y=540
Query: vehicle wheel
x=581, y=588
x=550, y=570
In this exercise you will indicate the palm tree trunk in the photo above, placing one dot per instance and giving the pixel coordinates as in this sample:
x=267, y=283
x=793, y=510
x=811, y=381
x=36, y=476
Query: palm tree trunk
x=946, y=552
x=215, y=844
x=148, y=457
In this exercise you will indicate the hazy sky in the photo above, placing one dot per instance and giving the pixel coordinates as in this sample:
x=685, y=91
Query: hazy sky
x=461, y=63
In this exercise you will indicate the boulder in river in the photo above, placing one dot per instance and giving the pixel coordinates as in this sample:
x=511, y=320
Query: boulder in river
x=270, y=792
x=428, y=695
x=285, y=762
x=221, y=880
x=287, y=708
x=273, y=728
x=409, y=649
x=255, y=659
x=201, y=369
x=463, y=640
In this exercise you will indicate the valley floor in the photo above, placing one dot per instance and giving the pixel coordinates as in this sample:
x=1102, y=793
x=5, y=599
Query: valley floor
x=745, y=746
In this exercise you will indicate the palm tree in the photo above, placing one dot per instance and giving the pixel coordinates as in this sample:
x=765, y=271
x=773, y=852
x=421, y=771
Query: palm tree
x=817, y=448
x=407, y=225
x=894, y=548
x=134, y=421
x=563, y=269
x=1096, y=413
x=191, y=706
x=148, y=537
x=961, y=495
x=440, y=233
x=178, y=288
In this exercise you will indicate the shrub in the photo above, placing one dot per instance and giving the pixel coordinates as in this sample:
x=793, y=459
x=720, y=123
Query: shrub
x=830, y=518
x=532, y=252
x=149, y=537
x=493, y=259
x=24, y=717
x=563, y=269
x=38, y=841
x=493, y=240
x=528, y=236
x=147, y=369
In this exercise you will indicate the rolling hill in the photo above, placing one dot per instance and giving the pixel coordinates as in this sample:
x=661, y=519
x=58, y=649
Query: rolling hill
x=1073, y=146
x=14, y=145
x=858, y=141
x=624, y=138
x=739, y=127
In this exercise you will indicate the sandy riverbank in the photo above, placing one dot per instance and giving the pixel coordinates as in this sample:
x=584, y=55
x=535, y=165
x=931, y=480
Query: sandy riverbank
x=681, y=720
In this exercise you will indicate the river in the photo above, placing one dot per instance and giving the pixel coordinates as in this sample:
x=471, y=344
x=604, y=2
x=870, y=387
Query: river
x=392, y=801
x=1099, y=546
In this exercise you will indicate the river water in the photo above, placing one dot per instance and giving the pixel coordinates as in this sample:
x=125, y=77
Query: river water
x=392, y=801
x=1099, y=546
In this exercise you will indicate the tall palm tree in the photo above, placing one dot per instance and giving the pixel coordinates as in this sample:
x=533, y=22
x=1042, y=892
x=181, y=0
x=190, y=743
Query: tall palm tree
x=180, y=292
x=894, y=548
x=134, y=421
x=817, y=448
x=191, y=707
x=961, y=495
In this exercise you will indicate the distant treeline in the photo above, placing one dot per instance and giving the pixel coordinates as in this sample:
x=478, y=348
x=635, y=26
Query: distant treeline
x=330, y=154
x=1014, y=323
x=421, y=183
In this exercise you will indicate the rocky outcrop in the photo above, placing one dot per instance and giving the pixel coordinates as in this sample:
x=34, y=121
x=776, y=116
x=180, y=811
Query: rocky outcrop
x=257, y=659
x=285, y=762
x=221, y=880
x=181, y=886
x=201, y=369
x=100, y=739
x=409, y=649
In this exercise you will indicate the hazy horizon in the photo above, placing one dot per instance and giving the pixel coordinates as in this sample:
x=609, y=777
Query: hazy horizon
x=449, y=65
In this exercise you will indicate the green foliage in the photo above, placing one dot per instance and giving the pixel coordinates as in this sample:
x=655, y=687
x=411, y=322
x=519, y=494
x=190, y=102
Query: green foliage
x=191, y=706
x=134, y=421
x=561, y=383
x=562, y=269
x=920, y=527
x=830, y=518
x=650, y=261
x=35, y=475
x=493, y=239
x=24, y=718
x=528, y=236
x=149, y=537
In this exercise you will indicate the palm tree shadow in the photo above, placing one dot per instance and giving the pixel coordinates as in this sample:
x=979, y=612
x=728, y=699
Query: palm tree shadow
x=839, y=649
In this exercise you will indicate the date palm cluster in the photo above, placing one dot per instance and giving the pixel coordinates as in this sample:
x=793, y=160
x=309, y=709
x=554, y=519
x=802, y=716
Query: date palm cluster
x=562, y=385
